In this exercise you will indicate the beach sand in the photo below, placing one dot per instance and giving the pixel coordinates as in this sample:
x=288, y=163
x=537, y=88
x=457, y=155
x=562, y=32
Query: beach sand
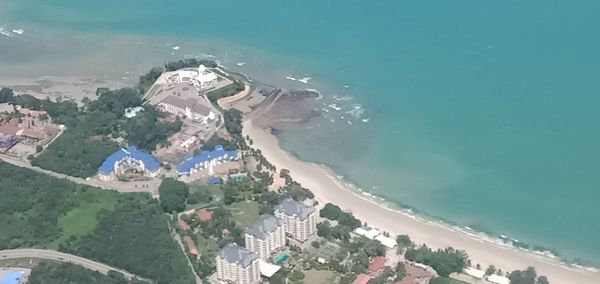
x=327, y=188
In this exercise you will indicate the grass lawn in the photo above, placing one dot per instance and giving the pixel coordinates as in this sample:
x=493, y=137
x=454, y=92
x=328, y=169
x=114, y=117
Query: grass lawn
x=318, y=276
x=82, y=219
x=244, y=213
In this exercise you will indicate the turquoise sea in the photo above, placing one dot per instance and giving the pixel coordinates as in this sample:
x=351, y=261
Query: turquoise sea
x=485, y=113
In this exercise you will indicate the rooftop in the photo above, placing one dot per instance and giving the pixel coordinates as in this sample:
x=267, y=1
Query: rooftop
x=11, y=277
x=204, y=156
x=195, y=105
x=236, y=254
x=132, y=151
x=204, y=215
x=190, y=245
x=377, y=263
x=263, y=226
x=290, y=206
x=362, y=279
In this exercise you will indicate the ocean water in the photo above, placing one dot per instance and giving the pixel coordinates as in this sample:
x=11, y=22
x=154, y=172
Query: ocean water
x=483, y=113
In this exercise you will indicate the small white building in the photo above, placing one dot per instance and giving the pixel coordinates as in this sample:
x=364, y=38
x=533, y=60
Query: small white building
x=475, y=273
x=368, y=232
x=387, y=242
x=497, y=279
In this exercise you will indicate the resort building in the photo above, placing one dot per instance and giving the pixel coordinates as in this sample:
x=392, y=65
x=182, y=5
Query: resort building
x=299, y=219
x=265, y=236
x=193, y=108
x=206, y=160
x=129, y=161
x=238, y=265
x=367, y=232
x=200, y=77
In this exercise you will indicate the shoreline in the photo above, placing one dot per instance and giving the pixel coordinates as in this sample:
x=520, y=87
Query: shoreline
x=482, y=248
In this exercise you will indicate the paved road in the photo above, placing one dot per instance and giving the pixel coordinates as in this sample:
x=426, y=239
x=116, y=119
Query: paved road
x=59, y=256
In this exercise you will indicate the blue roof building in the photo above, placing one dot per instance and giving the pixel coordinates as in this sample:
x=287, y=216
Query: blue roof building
x=127, y=159
x=206, y=160
x=11, y=277
x=213, y=180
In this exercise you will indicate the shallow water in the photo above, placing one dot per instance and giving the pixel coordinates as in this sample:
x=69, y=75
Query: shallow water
x=485, y=114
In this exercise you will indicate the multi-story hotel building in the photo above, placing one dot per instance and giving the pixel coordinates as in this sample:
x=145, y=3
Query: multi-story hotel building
x=299, y=219
x=237, y=265
x=265, y=236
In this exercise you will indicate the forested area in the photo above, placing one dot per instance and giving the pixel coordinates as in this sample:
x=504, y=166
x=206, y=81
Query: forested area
x=31, y=204
x=47, y=272
x=173, y=195
x=133, y=234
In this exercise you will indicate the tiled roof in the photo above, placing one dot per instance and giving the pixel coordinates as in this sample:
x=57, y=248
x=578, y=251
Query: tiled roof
x=149, y=162
x=192, y=161
x=236, y=254
x=263, y=226
x=290, y=206
x=362, y=279
x=377, y=263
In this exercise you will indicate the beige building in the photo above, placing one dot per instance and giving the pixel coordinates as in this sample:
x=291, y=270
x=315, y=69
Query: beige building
x=192, y=108
x=299, y=219
x=237, y=265
x=266, y=236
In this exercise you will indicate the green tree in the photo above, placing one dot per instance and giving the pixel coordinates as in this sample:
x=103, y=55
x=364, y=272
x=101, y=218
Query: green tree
x=490, y=270
x=542, y=280
x=173, y=195
x=527, y=276
x=6, y=95
x=330, y=211
x=400, y=271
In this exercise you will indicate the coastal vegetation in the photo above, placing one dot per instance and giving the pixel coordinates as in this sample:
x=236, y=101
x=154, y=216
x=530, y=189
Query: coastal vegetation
x=48, y=272
x=128, y=231
x=226, y=91
x=444, y=261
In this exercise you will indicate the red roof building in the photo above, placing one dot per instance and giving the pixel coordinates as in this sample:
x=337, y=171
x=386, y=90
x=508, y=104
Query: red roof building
x=183, y=225
x=377, y=263
x=190, y=245
x=362, y=279
x=204, y=215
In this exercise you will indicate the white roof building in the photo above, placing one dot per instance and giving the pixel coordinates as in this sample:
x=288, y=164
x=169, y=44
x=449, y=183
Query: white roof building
x=201, y=77
x=497, y=279
x=267, y=269
x=368, y=232
x=476, y=273
x=388, y=242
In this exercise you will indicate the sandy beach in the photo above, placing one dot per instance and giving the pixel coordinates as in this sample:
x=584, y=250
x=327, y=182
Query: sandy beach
x=328, y=188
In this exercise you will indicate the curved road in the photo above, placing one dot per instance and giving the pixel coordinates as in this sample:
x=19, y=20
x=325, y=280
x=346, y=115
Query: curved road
x=63, y=257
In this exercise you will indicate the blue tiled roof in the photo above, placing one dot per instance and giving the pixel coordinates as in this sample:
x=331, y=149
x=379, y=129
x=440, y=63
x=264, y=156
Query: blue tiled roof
x=12, y=277
x=214, y=180
x=191, y=161
x=132, y=151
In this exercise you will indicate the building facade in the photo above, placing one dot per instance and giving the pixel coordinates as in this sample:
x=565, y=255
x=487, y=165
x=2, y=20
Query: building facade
x=201, y=77
x=265, y=236
x=130, y=160
x=192, y=108
x=237, y=265
x=300, y=219
x=206, y=160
